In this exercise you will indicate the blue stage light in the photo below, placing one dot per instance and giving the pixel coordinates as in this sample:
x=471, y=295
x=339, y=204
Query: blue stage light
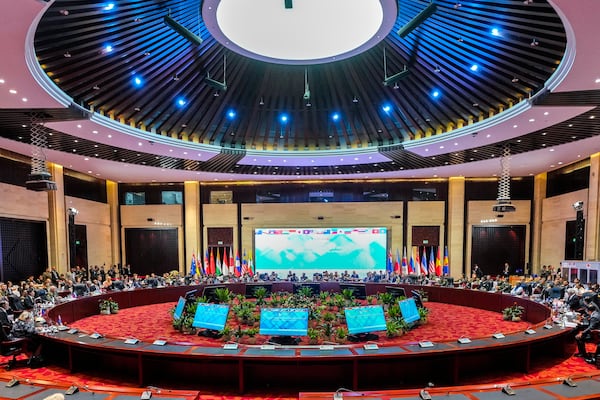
x=386, y=108
x=138, y=81
x=495, y=32
x=231, y=114
x=435, y=93
x=474, y=67
x=335, y=117
x=109, y=6
x=283, y=118
x=181, y=102
x=108, y=48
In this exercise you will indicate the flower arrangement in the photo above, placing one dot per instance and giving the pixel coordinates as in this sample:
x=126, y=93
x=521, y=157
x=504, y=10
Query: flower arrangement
x=108, y=306
x=513, y=312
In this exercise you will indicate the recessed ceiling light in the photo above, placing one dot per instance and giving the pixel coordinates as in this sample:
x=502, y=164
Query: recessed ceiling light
x=515, y=126
x=597, y=80
x=86, y=159
x=488, y=135
x=89, y=172
x=551, y=149
x=531, y=119
x=24, y=99
x=544, y=133
x=140, y=144
x=94, y=131
x=23, y=126
x=570, y=125
x=1, y=81
x=546, y=113
x=109, y=136
x=12, y=91
x=592, y=116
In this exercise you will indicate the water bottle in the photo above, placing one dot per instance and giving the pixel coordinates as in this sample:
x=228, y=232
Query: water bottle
x=59, y=320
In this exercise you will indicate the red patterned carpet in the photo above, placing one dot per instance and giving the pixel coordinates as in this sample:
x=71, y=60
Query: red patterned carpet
x=446, y=322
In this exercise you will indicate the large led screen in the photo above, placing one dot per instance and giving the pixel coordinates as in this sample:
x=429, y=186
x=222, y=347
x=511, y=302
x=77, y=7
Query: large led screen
x=311, y=250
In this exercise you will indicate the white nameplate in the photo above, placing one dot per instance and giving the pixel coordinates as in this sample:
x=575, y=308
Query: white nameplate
x=530, y=331
x=267, y=347
x=464, y=340
x=95, y=335
x=73, y=331
x=326, y=347
x=159, y=342
x=63, y=328
x=230, y=346
x=498, y=336
x=548, y=326
x=371, y=346
x=425, y=343
x=131, y=341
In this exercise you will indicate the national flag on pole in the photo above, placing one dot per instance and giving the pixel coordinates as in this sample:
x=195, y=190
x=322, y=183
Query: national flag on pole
x=417, y=260
x=424, y=262
x=397, y=268
x=438, y=262
x=218, y=270
x=389, y=267
x=231, y=262
x=225, y=269
x=251, y=270
x=211, y=264
x=245, y=263
x=446, y=265
x=405, y=270
x=238, y=264
x=205, y=268
x=431, y=262
x=193, y=270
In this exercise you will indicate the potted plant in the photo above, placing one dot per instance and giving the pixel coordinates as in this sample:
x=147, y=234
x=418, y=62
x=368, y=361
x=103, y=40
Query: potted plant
x=251, y=333
x=223, y=295
x=393, y=328
x=423, y=313
x=104, y=306
x=313, y=335
x=225, y=333
x=114, y=306
x=513, y=312
x=341, y=334
x=260, y=293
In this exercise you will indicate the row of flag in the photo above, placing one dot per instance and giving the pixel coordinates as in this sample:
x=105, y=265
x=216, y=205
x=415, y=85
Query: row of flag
x=435, y=265
x=213, y=265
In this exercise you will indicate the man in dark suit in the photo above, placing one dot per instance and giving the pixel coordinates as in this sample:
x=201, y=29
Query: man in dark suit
x=590, y=323
x=4, y=320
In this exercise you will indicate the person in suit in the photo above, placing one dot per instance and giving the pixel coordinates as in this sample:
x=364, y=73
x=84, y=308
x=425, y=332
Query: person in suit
x=573, y=301
x=589, y=323
x=506, y=270
x=5, y=321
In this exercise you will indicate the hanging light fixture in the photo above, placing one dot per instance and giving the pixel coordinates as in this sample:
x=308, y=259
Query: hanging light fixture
x=504, y=204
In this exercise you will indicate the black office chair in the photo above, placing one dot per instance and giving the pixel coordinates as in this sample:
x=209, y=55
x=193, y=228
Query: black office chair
x=13, y=347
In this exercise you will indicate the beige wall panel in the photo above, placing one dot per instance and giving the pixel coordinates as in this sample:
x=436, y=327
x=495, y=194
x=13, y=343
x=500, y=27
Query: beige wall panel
x=478, y=211
x=18, y=202
x=425, y=213
x=560, y=208
x=219, y=215
x=556, y=211
x=161, y=214
x=96, y=217
x=383, y=214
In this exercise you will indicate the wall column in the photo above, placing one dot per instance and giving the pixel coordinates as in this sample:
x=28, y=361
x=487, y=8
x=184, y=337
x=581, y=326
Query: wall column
x=192, y=223
x=592, y=234
x=539, y=194
x=456, y=225
x=112, y=196
x=57, y=222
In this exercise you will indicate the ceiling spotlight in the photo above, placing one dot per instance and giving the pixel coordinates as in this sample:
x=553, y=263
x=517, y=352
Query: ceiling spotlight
x=515, y=80
x=261, y=102
x=96, y=87
x=66, y=54
x=175, y=77
x=457, y=6
x=355, y=100
x=308, y=104
x=534, y=43
x=396, y=86
x=216, y=93
x=437, y=69
x=64, y=12
x=460, y=39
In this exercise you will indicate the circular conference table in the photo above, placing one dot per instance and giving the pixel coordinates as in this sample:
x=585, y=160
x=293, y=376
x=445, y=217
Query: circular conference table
x=304, y=367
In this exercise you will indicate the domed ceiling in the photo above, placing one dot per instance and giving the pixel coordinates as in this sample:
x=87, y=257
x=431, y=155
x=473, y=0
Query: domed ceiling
x=284, y=87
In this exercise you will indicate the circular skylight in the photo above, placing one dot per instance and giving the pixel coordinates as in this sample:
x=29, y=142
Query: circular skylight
x=299, y=31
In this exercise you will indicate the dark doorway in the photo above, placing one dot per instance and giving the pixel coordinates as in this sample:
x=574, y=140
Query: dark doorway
x=23, y=249
x=494, y=245
x=152, y=250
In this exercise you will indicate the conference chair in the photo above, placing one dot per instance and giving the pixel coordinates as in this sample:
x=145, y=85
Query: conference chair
x=13, y=347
